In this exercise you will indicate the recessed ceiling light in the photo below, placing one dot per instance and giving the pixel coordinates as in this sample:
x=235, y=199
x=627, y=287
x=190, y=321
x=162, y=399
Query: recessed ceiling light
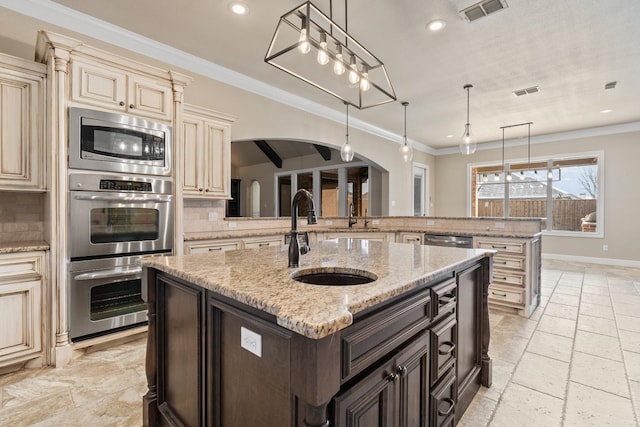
x=449, y=136
x=436, y=25
x=239, y=8
x=605, y=111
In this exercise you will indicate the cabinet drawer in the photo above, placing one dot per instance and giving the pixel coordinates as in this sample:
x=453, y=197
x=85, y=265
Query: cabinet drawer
x=371, y=339
x=443, y=347
x=444, y=297
x=515, y=263
x=201, y=247
x=508, y=277
x=443, y=401
x=504, y=294
x=503, y=246
x=264, y=242
x=21, y=266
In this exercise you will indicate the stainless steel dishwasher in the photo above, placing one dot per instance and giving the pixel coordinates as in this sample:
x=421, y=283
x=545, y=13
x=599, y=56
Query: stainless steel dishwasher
x=447, y=240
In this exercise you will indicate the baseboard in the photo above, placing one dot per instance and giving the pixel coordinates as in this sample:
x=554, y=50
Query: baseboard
x=593, y=260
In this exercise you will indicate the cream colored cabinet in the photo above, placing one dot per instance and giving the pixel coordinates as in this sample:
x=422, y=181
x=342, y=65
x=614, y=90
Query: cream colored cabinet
x=22, y=160
x=21, y=293
x=121, y=90
x=406, y=237
x=516, y=282
x=206, y=246
x=206, y=154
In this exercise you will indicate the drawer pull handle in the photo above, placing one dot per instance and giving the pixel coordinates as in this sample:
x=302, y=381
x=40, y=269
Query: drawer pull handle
x=501, y=278
x=498, y=247
x=392, y=377
x=500, y=295
x=262, y=244
x=501, y=262
x=401, y=370
x=214, y=249
x=448, y=350
x=451, y=404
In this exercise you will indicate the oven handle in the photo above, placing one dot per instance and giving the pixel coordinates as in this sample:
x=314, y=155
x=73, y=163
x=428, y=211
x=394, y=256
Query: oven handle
x=116, y=272
x=146, y=198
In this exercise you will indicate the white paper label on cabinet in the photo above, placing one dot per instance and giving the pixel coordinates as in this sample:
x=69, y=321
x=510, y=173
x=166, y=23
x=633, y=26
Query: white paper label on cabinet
x=251, y=341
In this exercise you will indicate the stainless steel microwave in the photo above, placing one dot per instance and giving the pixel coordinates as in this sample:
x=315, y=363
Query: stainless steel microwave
x=101, y=141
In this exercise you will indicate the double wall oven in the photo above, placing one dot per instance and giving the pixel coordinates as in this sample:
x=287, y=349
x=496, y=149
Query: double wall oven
x=120, y=208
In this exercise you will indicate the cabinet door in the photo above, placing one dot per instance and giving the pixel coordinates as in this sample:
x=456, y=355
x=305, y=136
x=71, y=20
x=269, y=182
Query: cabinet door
x=370, y=402
x=218, y=160
x=412, y=366
x=20, y=307
x=99, y=85
x=193, y=156
x=21, y=121
x=149, y=98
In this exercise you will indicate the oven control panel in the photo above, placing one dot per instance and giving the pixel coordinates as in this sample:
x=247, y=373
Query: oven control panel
x=119, y=185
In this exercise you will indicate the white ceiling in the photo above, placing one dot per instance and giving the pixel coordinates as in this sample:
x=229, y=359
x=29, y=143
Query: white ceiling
x=568, y=48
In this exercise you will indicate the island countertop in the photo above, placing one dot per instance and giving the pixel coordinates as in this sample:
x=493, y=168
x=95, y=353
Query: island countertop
x=261, y=279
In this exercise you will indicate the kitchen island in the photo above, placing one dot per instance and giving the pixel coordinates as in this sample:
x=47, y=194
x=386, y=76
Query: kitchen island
x=234, y=340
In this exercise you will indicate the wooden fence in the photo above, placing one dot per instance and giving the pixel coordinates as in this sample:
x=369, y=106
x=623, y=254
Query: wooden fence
x=567, y=214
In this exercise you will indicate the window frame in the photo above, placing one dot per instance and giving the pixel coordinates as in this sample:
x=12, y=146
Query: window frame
x=599, y=233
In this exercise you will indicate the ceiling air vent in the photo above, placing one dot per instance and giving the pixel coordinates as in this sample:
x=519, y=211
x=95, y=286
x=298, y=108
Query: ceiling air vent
x=527, y=91
x=472, y=10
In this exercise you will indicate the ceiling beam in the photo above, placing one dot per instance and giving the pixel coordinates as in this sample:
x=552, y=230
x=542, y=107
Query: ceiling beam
x=325, y=152
x=269, y=152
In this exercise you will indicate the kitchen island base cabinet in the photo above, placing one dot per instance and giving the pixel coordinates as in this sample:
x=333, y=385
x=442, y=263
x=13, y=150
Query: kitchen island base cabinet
x=214, y=361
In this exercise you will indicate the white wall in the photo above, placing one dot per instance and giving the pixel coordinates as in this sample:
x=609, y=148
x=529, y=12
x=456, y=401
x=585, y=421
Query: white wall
x=621, y=192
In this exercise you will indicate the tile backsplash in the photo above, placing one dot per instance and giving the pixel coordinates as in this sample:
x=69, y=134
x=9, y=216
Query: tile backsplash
x=197, y=213
x=21, y=216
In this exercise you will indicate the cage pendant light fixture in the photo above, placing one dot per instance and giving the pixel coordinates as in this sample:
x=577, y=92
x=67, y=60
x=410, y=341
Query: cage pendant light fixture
x=405, y=150
x=467, y=144
x=305, y=40
x=346, y=152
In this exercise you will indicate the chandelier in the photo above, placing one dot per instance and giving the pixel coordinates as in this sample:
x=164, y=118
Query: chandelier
x=306, y=41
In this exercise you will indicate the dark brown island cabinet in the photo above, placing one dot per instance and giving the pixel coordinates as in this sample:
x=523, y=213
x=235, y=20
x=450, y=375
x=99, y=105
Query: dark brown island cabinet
x=417, y=359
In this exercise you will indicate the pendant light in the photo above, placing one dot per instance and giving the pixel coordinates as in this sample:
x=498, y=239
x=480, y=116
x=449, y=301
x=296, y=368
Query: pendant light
x=405, y=150
x=346, y=153
x=467, y=144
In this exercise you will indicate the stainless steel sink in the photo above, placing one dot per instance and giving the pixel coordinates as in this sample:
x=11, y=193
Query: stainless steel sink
x=333, y=276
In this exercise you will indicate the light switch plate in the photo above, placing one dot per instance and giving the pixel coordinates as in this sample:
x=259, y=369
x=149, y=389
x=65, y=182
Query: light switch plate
x=375, y=222
x=251, y=341
x=232, y=225
x=431, y=222
x=499, y=224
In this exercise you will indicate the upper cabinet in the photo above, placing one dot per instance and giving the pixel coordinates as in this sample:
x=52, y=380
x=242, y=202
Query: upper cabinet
x=22, y=160
x=121, y=90
x=206, y=153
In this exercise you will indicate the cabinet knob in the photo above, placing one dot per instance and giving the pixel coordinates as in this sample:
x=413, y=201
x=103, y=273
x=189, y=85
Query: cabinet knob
x=206, y=190
x=392, y=377
x=200, y=190
x=121, y=103
x=401, y=370
x=132, y=106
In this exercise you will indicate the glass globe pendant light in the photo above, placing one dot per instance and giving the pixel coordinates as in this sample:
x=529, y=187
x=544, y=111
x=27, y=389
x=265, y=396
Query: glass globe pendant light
x=346, y=152
x=467, y=145
x=405, y=149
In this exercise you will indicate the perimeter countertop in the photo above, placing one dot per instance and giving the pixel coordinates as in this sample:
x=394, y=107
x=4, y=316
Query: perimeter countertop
x=24, y=246
x=261, y=279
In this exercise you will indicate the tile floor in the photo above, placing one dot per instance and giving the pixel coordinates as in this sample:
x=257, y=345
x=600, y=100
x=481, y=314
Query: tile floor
x=575, y=362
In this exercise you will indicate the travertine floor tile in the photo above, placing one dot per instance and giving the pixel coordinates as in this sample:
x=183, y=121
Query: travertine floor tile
x=597, y=372
x=597, y=325
x=632, y=364
x=524, y=407
x=507, y=347
x=635, y=397
x=626, y=299
x=568, y=290
x=630, y=341
x=587, y=407
x=515, y=325
x=559, y=298
x=595, y=310
x=551, y=345
x=502, y=372
x=598, y=290
x=596, y=299
x=598, y=345
x=628, y=323
x=627, y=310
x=557, y=325
x=479, y=411
x=561, y=310
x=542, y=374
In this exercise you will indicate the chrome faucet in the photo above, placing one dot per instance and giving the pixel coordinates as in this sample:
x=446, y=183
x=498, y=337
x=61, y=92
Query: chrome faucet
x=295, y=248
x=352, y=218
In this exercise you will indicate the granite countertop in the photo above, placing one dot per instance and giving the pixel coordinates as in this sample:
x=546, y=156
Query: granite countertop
x=261, y=279
x=24, y=246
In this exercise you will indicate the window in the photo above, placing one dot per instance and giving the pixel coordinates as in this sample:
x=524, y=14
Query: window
x=420, y=189
x=565, y=191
